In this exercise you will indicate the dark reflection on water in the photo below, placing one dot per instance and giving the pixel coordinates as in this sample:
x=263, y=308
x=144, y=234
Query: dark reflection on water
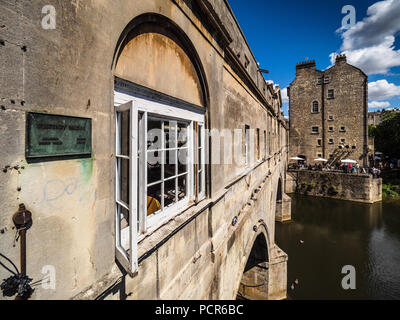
x=338, y=233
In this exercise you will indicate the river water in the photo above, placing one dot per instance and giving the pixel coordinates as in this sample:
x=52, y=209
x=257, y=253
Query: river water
x=327, y=234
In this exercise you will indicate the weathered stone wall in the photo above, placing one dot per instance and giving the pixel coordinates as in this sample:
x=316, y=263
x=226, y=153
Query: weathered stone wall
x=348, y=109
x=70, y=71
x=342, y=186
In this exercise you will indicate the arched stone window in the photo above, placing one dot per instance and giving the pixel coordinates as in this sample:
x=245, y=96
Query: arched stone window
x=315, y=107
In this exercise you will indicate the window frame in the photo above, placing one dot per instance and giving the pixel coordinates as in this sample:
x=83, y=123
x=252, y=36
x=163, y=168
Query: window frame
x=333, y=94
x=140, y=224
x=313, y=105
x=247, y=145
x=128, y=260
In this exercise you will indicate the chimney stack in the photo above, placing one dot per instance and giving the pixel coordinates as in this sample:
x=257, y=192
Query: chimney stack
x=340, y=58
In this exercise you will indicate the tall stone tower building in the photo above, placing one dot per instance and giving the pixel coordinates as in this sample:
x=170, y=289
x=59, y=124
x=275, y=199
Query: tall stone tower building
x=328, y=112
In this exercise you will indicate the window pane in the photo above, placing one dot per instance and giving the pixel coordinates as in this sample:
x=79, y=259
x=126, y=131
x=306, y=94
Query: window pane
x=182, y=184
x=123, y=180
x=124, y=124
x=170, y=138
x=200, y=175
x=170, y=163
x=153, y=166
x=199, y=157
x=154, y=133
x=170, y=192
x=182, y=160
x=200, y=129
x=123, y=227
x=182, y=134
x=154, y=199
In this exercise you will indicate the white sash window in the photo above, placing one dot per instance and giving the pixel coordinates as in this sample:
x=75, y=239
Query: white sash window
x=160, y=168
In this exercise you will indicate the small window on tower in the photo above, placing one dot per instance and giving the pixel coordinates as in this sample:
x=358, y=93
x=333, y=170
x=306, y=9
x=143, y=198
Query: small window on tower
x=330, y=129
x=342, y=129
x=331, y=94
x=319, y=142
x=330, y=118
x=315, y=130
x=330, y=141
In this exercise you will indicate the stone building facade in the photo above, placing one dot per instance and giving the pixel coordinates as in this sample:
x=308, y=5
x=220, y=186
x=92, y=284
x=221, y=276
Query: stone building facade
x=375, y=117
x=328, y=113
x=111, y=223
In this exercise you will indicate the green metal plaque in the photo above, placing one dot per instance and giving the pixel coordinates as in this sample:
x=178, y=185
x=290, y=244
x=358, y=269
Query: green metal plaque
x=56, y=136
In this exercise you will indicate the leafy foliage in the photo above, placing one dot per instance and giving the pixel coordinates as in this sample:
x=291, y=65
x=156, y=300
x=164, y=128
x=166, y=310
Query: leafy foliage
x=387, y=135
x=390, y=191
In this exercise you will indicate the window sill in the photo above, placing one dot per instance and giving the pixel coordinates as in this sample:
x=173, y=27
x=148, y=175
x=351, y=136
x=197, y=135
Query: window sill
x=314, y=133
x=173, y=223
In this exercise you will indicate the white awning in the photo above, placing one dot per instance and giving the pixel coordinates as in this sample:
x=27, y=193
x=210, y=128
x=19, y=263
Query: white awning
x=348, y=161
x=321, y=160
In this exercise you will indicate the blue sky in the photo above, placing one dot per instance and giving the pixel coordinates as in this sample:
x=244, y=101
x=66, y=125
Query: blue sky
x=282, y=33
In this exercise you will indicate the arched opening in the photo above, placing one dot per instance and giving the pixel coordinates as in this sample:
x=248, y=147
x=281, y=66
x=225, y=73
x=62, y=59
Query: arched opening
x=254, y=282
x=154, y=53
x=160, y=103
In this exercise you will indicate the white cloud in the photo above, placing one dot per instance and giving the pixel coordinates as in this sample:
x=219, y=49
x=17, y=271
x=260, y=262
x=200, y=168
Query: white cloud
x=369, y=44
x=285, y=97
x=382, y=90
x=378, y=104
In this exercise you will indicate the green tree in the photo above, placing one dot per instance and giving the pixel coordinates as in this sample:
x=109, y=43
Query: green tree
x=387, y=135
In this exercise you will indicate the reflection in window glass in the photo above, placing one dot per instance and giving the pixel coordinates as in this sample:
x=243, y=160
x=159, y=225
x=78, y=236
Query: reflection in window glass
x=123, y=119
x=154, y=201
x=123, y=214
x=170, y=163
x=123, y=180
x=182, y=160
x=170, y=138
x=169, y=192
x=182, y=185
x=182, y=134
x=154, y=166
x=200, y=181
x=167, y=168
